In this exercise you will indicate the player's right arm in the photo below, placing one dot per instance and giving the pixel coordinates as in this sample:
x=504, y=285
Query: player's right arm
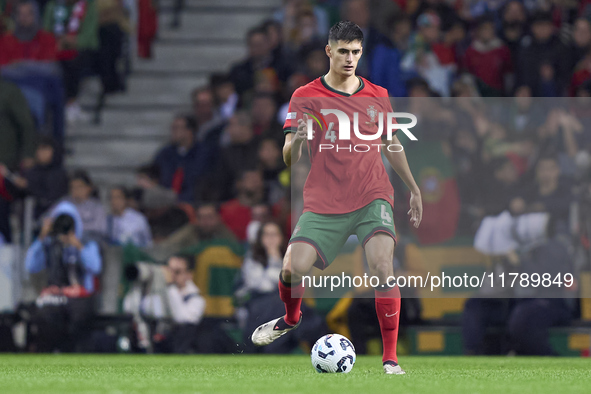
x=292, y=149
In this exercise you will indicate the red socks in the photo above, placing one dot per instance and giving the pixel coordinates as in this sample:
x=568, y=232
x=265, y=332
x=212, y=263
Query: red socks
x=291, y=295
x=388, y=311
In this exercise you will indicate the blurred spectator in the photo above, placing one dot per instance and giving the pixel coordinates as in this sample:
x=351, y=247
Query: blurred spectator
x=46, y=181
x=489, y=60
x=315, y=61
x=225, y=96
x=236, y=213
x=90, y=208
x=208, y=122
x=75, y=26
x=513, y=26
x=29, y=59
x=17, y=144
x=304, y=33
x=263, y=264
x=548, y=193
x=147, y=27
x=441, y=8
x=581, y=43
x=65, y=306
x=502, y=188
x=183, y=161
x=428, y=57
x=541, y=64
x=260, y=58
x=152, y=194
x=271, y=164
x=358, y=12
x=239, y=155
x=264, y=118
x=125, y=224
x=287, y=15
x=208, y=227
x=385, y=65
x=295, y=81
x=113, y=24
x=28, y=42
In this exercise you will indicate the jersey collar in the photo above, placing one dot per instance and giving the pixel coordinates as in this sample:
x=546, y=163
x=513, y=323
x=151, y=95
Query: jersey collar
x=361, y=86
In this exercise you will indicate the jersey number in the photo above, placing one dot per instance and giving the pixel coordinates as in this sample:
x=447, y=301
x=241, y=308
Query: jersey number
x=330, y=134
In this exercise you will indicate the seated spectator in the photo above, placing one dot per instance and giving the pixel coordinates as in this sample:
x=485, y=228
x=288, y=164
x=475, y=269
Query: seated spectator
x=224, y=94
x=75, y=26
x=65, y=306
x=385, y=65
x=358, y=12
x=264, y=120
x=304, y=32
x=125, y=224
x=208, y=122
x=236, y=213
x=240, y=153
x=82, y=195
x=488, y=59
x=315, y=61
x=428, y=57
x=28, y=42
x=184, y=161
x=272, y=165
x=581, y=41
x=260, y=59
x=152, y=195
x=208, y=227
x=47, y=181
x=263, y=264
x=17, y=144
x=548, y=193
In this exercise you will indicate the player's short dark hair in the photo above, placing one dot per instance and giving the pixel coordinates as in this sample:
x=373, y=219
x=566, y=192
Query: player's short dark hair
x=345, y=31
x=187, y=258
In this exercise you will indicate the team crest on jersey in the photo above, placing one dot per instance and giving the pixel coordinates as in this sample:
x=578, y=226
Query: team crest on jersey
x=372, y=113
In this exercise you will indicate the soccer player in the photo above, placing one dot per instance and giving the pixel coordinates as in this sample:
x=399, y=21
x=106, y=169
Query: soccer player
x=347, y=191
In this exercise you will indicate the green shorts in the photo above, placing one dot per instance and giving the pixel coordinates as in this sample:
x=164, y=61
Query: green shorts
x=328, y=233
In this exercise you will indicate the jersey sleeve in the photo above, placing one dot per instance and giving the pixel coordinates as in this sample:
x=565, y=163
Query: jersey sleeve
x=291, y=120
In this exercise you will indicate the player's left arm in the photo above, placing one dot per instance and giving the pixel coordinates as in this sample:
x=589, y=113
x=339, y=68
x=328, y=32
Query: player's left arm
x=399, y=163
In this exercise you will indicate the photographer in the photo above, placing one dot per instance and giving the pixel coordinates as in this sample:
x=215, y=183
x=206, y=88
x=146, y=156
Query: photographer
x=166, y=298
x=65, y=305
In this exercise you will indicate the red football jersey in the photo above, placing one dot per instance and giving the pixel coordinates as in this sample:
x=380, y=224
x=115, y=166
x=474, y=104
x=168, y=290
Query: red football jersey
x=346, y=171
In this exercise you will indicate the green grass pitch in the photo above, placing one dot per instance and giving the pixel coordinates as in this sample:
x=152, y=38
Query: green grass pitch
x=288, y=374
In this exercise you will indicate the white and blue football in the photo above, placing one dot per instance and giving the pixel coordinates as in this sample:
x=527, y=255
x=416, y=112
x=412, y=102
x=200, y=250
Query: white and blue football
x=333, y=353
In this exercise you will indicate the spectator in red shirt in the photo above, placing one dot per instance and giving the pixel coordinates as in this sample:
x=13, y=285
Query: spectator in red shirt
x=488, y=59
x=28, y=42
x=236, y=213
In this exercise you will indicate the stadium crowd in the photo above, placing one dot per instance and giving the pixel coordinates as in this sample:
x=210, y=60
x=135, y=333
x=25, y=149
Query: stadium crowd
x=504, y=142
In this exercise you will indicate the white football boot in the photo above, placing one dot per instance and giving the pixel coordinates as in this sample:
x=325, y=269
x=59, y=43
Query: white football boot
x=270, y=331
x=393, y=369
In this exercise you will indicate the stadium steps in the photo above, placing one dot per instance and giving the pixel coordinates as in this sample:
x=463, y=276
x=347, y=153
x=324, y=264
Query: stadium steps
x=135, y=124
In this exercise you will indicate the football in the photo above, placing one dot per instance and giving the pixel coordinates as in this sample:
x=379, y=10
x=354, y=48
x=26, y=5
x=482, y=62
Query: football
x=333, y=353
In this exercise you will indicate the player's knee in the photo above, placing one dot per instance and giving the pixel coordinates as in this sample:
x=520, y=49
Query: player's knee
x=382, y=269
